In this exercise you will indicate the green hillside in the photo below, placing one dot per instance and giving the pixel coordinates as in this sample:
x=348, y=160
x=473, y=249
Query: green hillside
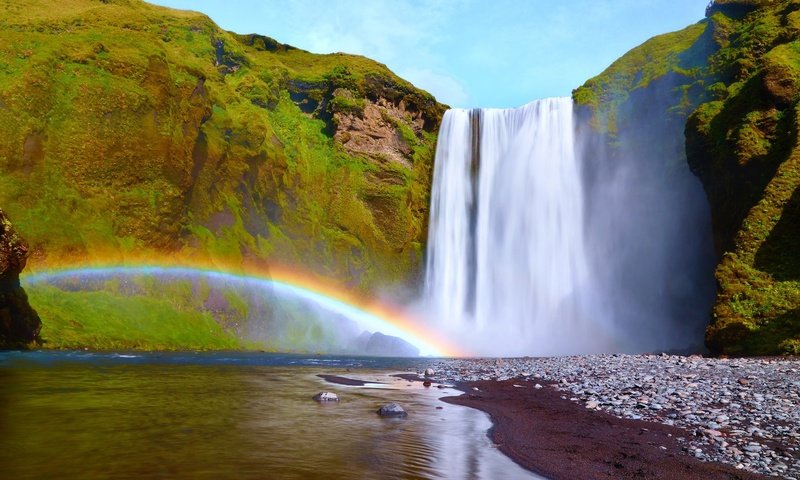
x=130, y=131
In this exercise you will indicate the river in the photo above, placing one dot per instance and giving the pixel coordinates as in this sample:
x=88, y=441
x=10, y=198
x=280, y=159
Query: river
x=231, y=415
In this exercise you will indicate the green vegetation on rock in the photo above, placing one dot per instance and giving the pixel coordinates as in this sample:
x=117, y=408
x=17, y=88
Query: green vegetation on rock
x=733, y=80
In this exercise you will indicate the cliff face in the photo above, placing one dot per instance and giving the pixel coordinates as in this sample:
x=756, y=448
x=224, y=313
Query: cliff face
x=743, y=145
x=732, y=82
x=130, y=131
x=19, y=323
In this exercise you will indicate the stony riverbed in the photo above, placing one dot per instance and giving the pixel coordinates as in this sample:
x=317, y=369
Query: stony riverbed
x=745, y=412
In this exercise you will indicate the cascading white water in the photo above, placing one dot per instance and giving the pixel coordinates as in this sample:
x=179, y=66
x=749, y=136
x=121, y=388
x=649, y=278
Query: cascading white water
x=507, y=268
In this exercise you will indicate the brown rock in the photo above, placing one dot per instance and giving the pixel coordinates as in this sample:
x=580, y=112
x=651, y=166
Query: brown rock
x=780, y=82
x=373, y=133
x=19, y=323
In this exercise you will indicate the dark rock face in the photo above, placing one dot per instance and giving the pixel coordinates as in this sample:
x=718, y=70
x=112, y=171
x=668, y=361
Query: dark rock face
x=19, y=323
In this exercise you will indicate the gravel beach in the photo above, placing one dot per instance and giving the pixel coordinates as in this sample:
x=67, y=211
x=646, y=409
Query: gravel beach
x=742, y=413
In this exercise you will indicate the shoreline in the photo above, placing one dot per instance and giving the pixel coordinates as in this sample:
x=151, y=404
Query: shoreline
x=740, y=414
x=560, y=439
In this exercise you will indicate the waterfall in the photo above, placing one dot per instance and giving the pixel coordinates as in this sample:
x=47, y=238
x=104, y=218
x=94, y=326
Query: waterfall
x=547, y=241
x=507, y=262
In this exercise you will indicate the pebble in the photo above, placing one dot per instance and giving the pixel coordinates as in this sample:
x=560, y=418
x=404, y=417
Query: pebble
x=326, y=397
x=742, y=412
x=392, y=410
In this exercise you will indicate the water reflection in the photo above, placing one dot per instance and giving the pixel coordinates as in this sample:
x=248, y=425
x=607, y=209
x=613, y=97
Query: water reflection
x=226, y=420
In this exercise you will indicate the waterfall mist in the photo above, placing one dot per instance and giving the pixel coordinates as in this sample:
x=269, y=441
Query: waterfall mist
x=544, y=241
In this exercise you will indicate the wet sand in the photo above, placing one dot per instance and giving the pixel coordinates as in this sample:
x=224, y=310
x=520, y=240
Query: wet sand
x=560, y=439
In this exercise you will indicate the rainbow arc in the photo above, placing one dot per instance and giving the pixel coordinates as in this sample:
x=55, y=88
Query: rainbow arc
x=370, y=314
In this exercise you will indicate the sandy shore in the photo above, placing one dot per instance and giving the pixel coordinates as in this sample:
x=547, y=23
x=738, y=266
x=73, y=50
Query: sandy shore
x=561, y=439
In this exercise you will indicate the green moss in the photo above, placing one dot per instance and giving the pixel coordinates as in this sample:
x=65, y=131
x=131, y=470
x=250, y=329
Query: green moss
x=347, y=104
x=679, y=53
x=104, y=321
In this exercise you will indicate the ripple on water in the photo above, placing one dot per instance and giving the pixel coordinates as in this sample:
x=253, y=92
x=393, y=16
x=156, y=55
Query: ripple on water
x=88, y=416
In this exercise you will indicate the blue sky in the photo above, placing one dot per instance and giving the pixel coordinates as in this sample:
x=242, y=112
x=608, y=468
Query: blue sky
x=468, y=53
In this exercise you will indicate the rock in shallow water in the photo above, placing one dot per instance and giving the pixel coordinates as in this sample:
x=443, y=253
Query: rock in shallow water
x=392, y=410
x=326, y=397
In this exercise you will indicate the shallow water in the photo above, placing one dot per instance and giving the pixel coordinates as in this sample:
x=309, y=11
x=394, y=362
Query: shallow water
x=221, y=415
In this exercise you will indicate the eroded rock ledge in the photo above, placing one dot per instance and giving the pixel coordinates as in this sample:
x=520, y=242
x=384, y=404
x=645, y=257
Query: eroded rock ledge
x=19, y=322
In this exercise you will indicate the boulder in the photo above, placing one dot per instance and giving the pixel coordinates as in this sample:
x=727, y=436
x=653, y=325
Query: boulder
x=429, y=372
x=392, y=410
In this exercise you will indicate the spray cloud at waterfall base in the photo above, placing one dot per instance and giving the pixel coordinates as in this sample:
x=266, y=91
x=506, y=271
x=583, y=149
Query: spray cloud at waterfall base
x=536, y=245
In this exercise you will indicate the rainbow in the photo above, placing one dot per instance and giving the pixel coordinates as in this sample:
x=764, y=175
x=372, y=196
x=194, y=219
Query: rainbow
x=368, y=313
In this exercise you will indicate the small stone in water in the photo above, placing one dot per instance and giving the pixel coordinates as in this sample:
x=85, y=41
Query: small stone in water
x=429, y=372
x=326, y=397
x=392, y=410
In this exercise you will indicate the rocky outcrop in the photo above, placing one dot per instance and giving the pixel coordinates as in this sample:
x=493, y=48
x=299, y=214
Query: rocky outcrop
x=19, y=323
x=369, y=129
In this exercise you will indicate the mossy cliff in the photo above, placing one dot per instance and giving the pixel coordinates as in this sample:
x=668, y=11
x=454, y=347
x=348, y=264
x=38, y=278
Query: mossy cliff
x=731, y=82
x=129, y=131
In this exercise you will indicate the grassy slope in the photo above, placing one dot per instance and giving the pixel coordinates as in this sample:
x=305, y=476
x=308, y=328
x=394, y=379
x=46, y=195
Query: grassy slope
x=104, y=321
x=129, y=131
x=737, y=73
